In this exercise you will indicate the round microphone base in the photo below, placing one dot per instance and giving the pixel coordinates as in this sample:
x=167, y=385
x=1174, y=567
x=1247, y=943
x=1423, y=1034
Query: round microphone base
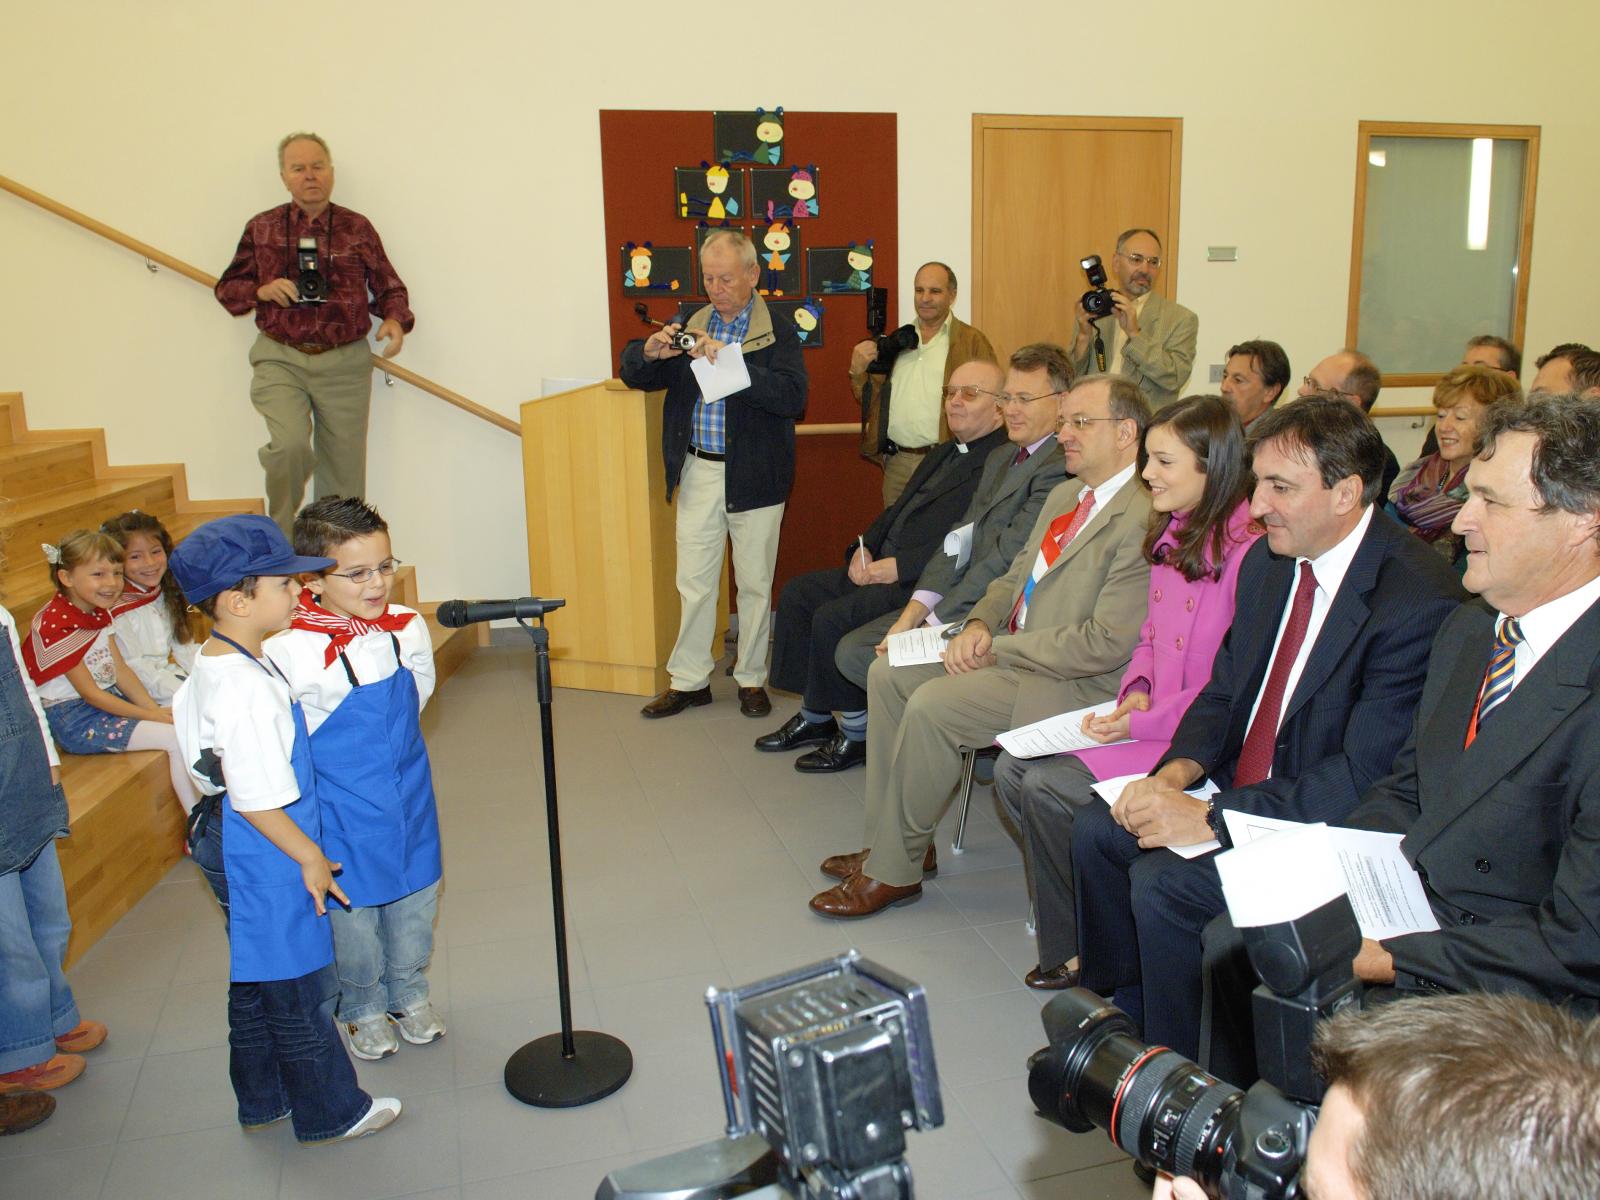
x=541, y=1075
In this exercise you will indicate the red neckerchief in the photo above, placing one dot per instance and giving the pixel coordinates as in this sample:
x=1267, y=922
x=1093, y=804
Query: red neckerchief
x=341, y=631
x=133, y=596
x=59, y=637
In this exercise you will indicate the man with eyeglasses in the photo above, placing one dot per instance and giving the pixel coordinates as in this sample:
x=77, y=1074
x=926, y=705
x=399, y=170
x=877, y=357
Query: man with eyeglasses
x=1051, y=635
x=880, y=569
x=900, y=434
x=1351, y=376
x=1148, y=338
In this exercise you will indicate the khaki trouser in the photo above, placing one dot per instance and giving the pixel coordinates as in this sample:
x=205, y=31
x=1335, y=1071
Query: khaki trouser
x=315, y=406
x=704, y=526
x=897, y=472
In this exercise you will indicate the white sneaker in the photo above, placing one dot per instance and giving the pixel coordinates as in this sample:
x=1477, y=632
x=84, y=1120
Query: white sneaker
x=371, y=1038
x=419, y=1024
x=384, y=1111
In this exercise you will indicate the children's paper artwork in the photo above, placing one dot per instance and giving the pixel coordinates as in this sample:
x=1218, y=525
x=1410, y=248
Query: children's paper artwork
x=783, y=192
x=648, y=270
x=709, y=192
x=778, y=256
x=750, y=137
x=804, y=315
x=841, y=268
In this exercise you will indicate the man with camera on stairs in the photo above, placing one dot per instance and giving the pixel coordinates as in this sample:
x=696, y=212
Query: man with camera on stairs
x=912, y=366
x=1129, y=329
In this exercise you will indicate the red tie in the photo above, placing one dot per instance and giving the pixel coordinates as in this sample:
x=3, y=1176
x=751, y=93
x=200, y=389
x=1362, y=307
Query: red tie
x=1056, y=538
x=1255, y=757
x=1021, y=456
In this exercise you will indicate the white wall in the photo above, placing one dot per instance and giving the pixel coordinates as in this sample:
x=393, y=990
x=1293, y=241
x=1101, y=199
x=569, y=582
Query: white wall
x=468, y=133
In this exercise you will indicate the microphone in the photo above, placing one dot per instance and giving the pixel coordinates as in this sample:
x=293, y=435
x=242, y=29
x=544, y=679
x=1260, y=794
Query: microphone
x=453, y=614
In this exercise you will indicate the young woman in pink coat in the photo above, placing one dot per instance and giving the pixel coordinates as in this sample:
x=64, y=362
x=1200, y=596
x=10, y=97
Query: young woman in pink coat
x=1193, y=461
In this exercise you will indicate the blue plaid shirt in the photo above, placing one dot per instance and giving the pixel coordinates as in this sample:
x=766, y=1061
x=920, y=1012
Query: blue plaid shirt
x=710, y=432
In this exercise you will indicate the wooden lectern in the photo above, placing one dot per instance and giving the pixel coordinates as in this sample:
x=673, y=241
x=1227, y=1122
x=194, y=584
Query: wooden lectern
x=600, y=535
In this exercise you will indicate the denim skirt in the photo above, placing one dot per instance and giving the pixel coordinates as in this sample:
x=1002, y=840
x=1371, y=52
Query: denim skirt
x=81, y=728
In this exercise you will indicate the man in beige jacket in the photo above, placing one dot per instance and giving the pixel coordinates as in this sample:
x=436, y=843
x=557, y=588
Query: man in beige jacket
x=1146, y=338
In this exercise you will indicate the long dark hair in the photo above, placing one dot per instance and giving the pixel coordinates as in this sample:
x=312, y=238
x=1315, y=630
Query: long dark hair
x=1208, y=426
x=134, y=521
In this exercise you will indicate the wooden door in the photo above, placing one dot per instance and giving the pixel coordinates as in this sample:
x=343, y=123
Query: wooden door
x=1047, y=192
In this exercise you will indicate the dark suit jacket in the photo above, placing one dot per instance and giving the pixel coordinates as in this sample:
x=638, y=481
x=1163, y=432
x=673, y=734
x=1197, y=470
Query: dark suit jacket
x=1002, y=512
x=1506, y=832
x=912, y=529
x=1351, y=707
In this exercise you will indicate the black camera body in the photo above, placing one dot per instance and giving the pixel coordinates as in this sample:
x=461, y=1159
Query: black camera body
x=310, y=282
x=1098, y=300
x=891, y=346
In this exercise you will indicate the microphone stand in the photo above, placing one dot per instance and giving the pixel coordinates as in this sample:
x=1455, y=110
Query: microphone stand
x=570, y=1068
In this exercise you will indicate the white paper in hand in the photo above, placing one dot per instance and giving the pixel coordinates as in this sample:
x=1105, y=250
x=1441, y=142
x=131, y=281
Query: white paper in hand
x=958, y=544
x=722, y=378
x=1110, y=790
x=1059, y=734
x=916, y=647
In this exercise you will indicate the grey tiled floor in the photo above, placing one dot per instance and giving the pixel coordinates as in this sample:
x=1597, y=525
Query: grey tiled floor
x=689, y=858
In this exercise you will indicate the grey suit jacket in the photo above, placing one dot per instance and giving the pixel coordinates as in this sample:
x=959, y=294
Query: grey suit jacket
x=1505, y=832
x=1160, y=358
x=1085, y=613
x=1001, y=513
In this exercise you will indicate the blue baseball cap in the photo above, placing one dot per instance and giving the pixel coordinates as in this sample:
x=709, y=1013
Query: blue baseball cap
x=220, y=553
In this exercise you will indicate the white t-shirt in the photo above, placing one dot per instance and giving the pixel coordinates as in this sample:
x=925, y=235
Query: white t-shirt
x=321, y=687
x=236, y=711
x=102, y=669
x=144, y=636
x=10, y=624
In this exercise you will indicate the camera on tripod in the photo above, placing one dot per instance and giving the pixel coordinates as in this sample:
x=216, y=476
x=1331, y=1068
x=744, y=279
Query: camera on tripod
x=891, y=345
x=1169, y=1113
x=1098, y=301
x=311, y=284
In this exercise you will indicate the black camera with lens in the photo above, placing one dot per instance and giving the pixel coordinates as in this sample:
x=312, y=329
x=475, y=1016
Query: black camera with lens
x=310, y=283
x=890, y=345
x=1098, y=301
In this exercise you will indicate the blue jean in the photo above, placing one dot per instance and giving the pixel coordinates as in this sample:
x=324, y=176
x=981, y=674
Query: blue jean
x=36, y=1004
x=381, y=953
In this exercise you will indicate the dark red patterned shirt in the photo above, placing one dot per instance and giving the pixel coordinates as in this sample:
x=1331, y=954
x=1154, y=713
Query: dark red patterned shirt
x=356, y=268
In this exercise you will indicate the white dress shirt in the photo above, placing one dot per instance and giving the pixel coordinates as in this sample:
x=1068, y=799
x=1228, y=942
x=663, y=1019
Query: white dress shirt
x=1542, y=627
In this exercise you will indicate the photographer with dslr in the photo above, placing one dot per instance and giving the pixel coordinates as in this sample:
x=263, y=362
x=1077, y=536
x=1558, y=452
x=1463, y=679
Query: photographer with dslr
x=313, y=271
x=913, y=364
x=1133, y=331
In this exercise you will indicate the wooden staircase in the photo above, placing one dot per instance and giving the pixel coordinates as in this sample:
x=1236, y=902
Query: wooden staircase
x=126, y=825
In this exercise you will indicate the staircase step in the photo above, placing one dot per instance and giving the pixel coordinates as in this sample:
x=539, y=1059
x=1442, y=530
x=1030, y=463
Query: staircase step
x=28, y=469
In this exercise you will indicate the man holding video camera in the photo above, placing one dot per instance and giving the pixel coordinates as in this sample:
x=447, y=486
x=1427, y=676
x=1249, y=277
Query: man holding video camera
x=912, y=365
x=313, y=272
x=1144, y=336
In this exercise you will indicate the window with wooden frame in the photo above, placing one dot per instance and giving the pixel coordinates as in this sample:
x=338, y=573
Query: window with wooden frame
x=1443, y=235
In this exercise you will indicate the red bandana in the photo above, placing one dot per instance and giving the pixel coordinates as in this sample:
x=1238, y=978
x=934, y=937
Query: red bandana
x=341, y=631
x=133, y=596
x=59, y=637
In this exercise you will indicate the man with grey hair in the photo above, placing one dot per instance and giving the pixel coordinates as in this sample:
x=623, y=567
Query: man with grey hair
x=313, y=272
x=1051, y=635
x=1146, y=338
x=731, y=463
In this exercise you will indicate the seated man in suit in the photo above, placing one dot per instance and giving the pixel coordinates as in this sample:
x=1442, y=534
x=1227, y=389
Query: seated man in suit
x=1147, y=338
x=1050, y=635
x=1308, y=703
x=1351, y=376
x=818, y=608
x=1497, y=789
x=1015, y=482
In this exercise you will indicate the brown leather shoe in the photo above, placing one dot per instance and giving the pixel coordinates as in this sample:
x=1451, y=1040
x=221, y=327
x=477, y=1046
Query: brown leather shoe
x=21, y=1111
x=1056, y=979
x=672, y=702
x=842, y=866
x=753, y=702
x=861, y=896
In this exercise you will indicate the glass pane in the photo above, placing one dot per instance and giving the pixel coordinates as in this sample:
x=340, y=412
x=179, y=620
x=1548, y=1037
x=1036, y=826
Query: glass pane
x=1439, y=254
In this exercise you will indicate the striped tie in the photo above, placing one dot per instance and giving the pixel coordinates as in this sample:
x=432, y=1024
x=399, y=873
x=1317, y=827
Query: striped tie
x=1501, y=673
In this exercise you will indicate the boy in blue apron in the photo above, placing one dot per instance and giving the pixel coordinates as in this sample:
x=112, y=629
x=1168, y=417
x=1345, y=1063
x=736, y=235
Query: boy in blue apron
x=362, y=669
x=248, y=750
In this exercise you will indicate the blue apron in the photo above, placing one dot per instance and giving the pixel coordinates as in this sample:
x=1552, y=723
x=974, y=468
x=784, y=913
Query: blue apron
x=373, y=776
x=273, y=928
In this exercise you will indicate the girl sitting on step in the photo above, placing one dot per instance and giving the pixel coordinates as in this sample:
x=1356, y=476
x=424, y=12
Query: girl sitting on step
x=150, y=621
x=92, y=699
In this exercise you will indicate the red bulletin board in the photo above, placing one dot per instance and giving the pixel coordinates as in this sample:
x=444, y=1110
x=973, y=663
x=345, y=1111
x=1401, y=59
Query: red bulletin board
x=836, y=493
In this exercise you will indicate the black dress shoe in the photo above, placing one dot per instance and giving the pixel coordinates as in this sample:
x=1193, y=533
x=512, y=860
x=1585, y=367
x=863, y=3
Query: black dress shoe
x=797, y=732
x=672, y=702
x=753, y=702
x=1054, y=980
x=840, y=754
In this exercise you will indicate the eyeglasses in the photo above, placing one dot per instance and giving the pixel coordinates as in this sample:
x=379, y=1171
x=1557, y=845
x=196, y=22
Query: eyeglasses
x=1139, y=260
x=1331, y=392
x=362, y=574
x=970, y=392
x=1081, y=422
x=1005, y=398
